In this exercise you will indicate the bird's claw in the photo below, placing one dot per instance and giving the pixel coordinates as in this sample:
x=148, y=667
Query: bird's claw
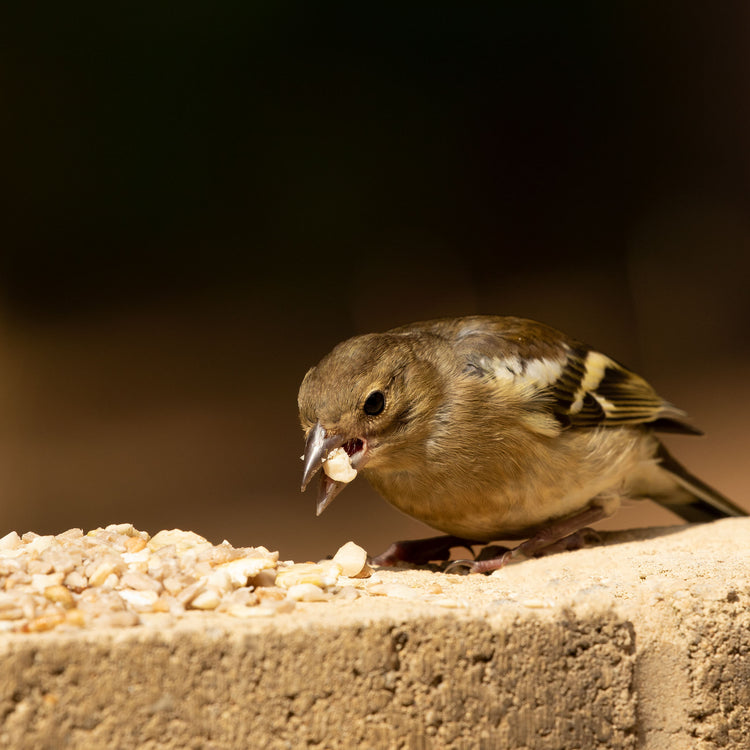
x=421, y=551
x=461, y=567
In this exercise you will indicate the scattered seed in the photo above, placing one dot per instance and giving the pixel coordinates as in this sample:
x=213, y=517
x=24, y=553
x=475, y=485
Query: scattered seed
x=272, y=592
x=118, y=577
x=101, y=572
x=59, y=595
x=39, y=581
x=182, y=540
x=10, y=541
x=135, y=544
x=75, y=617
x=353, y=561
x=208, y=599
x=141, y=601
x=307, y=592
x=46, y=622
x=76, y=581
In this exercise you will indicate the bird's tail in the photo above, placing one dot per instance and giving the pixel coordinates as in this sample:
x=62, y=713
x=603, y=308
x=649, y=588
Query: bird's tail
x=694, y=500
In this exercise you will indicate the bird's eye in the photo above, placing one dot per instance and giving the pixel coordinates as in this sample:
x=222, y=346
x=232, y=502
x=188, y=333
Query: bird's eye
x=374, y=403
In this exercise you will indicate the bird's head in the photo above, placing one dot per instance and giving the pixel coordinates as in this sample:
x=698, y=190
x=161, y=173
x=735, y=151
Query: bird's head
x=370, y=396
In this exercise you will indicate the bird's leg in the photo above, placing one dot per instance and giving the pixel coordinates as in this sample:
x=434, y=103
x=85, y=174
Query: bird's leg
x=421, y=551
x=577, y=540
x=491, y=551
x=563, y=534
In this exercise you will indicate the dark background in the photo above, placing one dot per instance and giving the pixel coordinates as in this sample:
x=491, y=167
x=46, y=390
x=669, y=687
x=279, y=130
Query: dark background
x=201, y=200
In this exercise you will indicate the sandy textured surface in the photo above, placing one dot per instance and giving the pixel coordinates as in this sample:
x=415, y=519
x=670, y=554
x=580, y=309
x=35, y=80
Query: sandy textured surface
x=643, y=642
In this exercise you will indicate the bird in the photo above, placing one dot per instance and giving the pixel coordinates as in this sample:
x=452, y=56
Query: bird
x=491, y=428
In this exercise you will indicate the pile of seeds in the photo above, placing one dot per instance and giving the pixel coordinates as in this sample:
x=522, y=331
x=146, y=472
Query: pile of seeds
x=119, y=577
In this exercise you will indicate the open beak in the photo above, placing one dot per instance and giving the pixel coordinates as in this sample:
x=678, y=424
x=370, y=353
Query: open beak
x=317, y=447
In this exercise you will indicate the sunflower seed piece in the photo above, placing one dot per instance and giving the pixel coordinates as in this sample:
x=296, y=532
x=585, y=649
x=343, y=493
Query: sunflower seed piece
x=240, y=570
x=11, y=613
x=140, y=581
x=100, y=572
x=76, y=581
x=39, y=566
x=122, y=619
x=182, y=540
x=208, y=599
x=135, y=544
x=141, y=601
x=59, y=595
x=307, y=592
x=338, y=466
x=174, y=584
x=75, y=617
x=10, y=541
x=189, y=593
x=353, y=560
x=270, y=593
x=39, y=581
x=45, y=622
x=39, y=543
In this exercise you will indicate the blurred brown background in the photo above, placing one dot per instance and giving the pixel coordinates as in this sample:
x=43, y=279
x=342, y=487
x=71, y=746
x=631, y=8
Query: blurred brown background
x=201, y=200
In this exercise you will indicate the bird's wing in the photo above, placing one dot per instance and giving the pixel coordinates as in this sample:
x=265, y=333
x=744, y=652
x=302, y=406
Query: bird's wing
x=581, y=386
x=595, y=390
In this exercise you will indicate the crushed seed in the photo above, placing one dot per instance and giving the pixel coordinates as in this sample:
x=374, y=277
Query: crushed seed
x=118, y=576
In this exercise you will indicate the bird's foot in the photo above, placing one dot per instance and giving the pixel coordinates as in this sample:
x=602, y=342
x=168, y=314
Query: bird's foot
x=577, y=540
x=564, y=534
x=421, y=551
x=483, y=564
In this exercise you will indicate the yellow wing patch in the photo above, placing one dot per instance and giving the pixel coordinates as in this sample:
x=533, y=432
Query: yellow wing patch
x=596, y=390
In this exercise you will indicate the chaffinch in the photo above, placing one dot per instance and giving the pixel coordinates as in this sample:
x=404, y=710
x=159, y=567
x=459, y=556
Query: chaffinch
x=493, y=428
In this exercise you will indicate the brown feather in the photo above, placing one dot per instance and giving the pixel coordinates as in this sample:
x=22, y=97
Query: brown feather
x=492, y=425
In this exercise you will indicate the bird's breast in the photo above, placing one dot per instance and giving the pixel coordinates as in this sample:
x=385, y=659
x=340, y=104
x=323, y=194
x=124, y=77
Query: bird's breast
x=476, y=510
x=495, y=499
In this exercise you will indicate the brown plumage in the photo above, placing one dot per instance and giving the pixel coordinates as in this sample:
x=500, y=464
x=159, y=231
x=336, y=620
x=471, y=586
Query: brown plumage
x=490, y=427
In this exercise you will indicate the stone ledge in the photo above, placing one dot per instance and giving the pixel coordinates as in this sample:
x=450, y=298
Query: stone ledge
x=642, y=642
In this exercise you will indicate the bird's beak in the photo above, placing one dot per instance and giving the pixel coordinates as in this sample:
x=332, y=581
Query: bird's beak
x=317, y=447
